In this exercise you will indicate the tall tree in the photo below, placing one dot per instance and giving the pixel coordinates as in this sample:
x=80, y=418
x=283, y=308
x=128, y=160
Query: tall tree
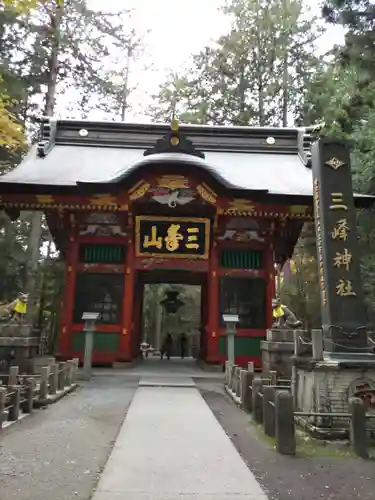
x=44, y=53
x=257, y=73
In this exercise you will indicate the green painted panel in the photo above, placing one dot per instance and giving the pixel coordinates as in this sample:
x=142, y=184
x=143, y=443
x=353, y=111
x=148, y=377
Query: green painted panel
x=241, y=259
x=103, y=341
x=243, y=346
x=102, y=254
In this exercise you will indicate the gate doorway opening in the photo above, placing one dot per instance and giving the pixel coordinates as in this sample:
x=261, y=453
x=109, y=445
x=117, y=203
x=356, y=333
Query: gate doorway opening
x=172, y=306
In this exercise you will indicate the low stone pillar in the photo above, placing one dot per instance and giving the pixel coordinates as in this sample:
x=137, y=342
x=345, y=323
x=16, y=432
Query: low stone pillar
x=44, y=383
x=3, y=396
x=13, y=375
x=61, y=382
x=250, y=367
x=237, y=387
x=15, y=398
x=317, y=344
x=294, y=385
x=246, y=392
x=226, y=373
x=54, y=372
x=75, y=369
x=269, y=411
x=284, y=424
x=232, y=377
x=69, y=374
x=28, y=404
x=273, y=377
x=257, y=402
x=358, y=434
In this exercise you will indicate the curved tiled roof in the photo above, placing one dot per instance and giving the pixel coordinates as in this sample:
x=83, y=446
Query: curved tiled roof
x=70, y=153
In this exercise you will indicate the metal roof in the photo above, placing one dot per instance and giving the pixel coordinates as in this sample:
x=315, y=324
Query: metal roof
x=69, y=165
x=241, y=158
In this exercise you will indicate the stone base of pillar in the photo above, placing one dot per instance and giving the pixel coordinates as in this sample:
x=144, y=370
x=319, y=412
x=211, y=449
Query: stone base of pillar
x=277, y=352
x=18, y=346
x=327, y=387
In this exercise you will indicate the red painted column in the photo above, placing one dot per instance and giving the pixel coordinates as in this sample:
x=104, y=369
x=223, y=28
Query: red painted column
x=212, y=330
x=66, y=333
x=127, y=327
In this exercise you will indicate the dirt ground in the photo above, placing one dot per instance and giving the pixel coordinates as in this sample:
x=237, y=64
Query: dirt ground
x=315, y=473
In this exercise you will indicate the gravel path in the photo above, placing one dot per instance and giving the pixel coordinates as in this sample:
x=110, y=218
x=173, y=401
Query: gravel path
x=59, y=453
x=291, y=478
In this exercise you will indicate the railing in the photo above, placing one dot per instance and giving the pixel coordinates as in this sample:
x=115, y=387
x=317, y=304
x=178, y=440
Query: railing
x=271, y=403
x=20, y=394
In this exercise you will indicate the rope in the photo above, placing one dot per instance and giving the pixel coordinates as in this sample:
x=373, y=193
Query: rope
x=304, y=342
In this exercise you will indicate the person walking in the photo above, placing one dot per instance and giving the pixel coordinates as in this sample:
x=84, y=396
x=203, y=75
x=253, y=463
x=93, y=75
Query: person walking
x=166, y=347
x=183, y=340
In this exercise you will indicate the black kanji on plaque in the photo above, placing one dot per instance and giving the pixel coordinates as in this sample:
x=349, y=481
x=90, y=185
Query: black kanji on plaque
x=343, y=308
x=172, y=237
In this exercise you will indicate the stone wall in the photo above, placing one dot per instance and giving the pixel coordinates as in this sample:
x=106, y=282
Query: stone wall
x=328, y=388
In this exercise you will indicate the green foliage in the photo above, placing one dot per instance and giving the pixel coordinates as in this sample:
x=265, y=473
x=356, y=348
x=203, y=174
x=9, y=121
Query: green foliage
x=255, y=75
x=47, y=49
x=301, y=292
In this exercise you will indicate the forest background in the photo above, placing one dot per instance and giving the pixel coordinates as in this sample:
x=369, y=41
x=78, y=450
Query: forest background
x=266, y=68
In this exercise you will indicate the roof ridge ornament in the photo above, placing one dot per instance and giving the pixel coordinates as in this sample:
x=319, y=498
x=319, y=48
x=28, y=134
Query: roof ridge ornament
x=174, y=142
x=47, y=136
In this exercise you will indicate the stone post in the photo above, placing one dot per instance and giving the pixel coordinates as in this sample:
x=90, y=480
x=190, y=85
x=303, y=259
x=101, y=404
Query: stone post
x=13, y=375
x=358, y=434
x=3, y=395
x=269, y=411
x=294, y=385
x=284, y=424
x=44, y=383
x=28, y=405
x=69, y=372
x=54, y=378
x=246, y=393
x=14, y=410
x=250, y=367
x=317, y=344
x=87, y=360
x=237, y=387
x=61, y=382
x=232, y=377
x=75, y=369
x=273, y=377
x=257, y=402
x=226, y=373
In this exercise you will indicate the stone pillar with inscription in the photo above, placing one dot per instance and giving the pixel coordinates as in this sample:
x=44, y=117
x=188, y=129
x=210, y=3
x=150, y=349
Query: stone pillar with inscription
x=344, y=319
x=348, y=359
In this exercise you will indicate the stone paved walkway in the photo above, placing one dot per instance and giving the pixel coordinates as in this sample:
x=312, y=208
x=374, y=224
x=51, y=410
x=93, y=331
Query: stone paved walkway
x=171, y=447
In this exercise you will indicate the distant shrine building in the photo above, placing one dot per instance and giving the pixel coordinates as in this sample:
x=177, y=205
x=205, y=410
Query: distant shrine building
x=132, y=204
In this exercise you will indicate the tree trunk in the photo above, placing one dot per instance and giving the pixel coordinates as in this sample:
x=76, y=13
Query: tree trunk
x=125, y=91
x=33, y=246
x=285, y=87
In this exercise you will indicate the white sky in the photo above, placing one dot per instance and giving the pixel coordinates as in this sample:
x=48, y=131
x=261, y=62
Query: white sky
x=177, y=29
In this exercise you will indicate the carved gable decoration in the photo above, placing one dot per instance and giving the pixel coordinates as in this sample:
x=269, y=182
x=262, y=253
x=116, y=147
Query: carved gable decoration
x=172, y=190
x=174, y=142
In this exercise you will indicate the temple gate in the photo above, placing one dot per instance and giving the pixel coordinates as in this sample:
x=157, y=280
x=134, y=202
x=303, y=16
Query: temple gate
x=130, y=204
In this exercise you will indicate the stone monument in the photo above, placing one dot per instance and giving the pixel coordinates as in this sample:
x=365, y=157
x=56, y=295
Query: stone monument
x=341, y=363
